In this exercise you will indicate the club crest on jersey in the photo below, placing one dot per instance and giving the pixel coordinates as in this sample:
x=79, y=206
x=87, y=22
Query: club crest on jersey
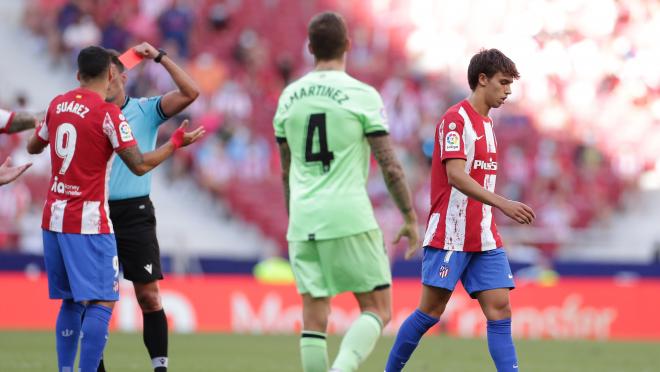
x=444, y=271
x=125, y=132
x=452, y=141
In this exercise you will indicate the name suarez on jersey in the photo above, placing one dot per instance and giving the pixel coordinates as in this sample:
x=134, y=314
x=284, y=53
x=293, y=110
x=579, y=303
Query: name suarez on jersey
x=72, y=107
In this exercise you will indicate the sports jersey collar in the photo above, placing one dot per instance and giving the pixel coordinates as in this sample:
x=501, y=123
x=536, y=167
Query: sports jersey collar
x=88, y=91
x=125, y=102
x=468, y=106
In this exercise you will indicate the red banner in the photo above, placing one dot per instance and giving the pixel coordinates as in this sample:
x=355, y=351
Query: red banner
x=574, y=308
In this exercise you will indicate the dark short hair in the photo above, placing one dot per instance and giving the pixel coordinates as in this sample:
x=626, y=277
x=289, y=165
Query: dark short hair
x=114, y=58
x=93, y=61
x=490, y=62
x=328, y=36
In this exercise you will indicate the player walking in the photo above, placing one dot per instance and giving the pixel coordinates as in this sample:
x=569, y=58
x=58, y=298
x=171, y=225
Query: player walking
x=80, y=251
x=461, y=240
x=131, y=210
x=325, y=124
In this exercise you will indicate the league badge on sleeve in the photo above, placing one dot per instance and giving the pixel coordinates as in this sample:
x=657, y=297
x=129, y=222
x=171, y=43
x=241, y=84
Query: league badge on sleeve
x=452, y=141
x=125, y=132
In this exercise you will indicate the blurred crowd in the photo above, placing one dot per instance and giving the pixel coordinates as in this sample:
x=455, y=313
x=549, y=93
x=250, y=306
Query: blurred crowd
x=567, y=138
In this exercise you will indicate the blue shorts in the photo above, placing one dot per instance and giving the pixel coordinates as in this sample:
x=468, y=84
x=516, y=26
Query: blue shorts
x=81, y=267
x=478, y=271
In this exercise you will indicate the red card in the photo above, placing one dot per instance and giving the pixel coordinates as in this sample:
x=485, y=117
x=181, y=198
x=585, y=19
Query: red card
x=130, y=58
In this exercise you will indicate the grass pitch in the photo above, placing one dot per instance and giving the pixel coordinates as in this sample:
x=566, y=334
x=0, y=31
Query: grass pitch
x=35, y=351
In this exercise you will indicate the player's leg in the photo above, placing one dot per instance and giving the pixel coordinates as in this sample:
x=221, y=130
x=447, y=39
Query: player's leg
x=313, y=345
x=441, y=270
x=69, y=318
x=134, y=222
x=360, y=339
x=489, y=280
x=93, y=269
x=154, y=330
x=359, y=264
x=94, y=334
x=311, y=284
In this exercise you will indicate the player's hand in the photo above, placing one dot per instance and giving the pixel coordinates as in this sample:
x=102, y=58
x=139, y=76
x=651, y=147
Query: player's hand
x=181, y=138
x=8, y=174
x=146, y=50
x=519, y=212
x=410, y=231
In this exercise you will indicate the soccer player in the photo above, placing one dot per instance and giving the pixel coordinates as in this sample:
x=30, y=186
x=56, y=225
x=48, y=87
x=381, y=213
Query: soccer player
x=461, y=240
x=325, y=125
x=80, y=251
x=8, y=174
x=131, y=210
x=13, y=122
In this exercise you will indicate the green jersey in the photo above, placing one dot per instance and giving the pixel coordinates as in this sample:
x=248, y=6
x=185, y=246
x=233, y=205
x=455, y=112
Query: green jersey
x=325, y=117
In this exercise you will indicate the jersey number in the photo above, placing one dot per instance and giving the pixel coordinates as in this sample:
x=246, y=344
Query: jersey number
x=317, y=123
x=65, y=144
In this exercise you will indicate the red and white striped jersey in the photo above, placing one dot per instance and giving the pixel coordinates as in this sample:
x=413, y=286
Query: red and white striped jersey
x=456, y=222
x=83, y=131
x=5, y=120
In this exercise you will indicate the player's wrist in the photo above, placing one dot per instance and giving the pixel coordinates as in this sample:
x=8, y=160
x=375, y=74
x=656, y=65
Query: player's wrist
x=177, y=138
x=410, y=216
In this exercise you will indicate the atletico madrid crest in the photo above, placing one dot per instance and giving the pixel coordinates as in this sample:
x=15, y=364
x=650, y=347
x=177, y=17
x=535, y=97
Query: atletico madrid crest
x=444, y=271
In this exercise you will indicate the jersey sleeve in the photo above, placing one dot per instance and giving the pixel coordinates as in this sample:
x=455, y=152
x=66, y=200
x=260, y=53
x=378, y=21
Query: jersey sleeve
x=374, y=116
x=42, y=129
x=450, y=138
x=117, y=129
x=280, y=118
x=5, y=120
x=152, y=110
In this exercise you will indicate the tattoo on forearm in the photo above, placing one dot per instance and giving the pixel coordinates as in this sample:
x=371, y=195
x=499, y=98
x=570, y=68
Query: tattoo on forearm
x=285, y=158
x=22, y=121
x=132, y=157
x=395, y=179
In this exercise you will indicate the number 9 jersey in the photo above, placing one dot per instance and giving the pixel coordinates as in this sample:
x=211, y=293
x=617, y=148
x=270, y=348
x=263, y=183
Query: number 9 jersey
x=325, y=117
x=83, y=132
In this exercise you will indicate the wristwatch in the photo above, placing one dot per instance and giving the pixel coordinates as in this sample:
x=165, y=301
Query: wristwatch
x=160, y=55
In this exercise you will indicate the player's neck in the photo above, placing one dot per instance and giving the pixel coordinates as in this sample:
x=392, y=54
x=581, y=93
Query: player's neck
x=330, y=65
x=101, y=88
x=479, y=104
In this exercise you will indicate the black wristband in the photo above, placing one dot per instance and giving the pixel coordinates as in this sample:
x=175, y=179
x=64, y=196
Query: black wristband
x=160, y=55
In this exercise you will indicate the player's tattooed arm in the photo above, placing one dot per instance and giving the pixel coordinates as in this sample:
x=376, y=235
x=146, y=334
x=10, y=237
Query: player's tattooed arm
x=392, y=172
x=285, y=160
x=396, y=184
x=22, y=121
x=140, y=163
x=134, y=159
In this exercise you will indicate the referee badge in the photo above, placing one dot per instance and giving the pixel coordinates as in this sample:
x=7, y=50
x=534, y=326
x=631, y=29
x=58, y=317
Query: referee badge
x=444, y=271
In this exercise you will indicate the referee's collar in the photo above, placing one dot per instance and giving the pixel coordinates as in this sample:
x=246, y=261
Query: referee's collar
x=125, y=102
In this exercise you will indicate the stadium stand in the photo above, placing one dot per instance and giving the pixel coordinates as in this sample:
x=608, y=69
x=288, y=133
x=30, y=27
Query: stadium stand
x=564, y=155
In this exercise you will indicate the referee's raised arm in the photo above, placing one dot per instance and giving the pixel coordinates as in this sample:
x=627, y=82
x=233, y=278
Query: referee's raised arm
x=173, y=102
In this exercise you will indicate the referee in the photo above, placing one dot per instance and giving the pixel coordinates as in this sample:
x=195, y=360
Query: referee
x=131, y=210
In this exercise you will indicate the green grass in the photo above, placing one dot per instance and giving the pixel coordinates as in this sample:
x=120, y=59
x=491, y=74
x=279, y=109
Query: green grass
x=35, y=351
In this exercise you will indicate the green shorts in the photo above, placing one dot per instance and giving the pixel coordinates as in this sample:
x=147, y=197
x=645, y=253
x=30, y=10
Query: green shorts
x=356, y=263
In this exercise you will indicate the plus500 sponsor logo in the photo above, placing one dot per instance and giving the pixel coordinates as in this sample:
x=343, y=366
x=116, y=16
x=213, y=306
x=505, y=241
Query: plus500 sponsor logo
x=480, y=164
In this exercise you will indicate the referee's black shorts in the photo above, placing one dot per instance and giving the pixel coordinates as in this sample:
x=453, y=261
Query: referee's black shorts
x=134, y=222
